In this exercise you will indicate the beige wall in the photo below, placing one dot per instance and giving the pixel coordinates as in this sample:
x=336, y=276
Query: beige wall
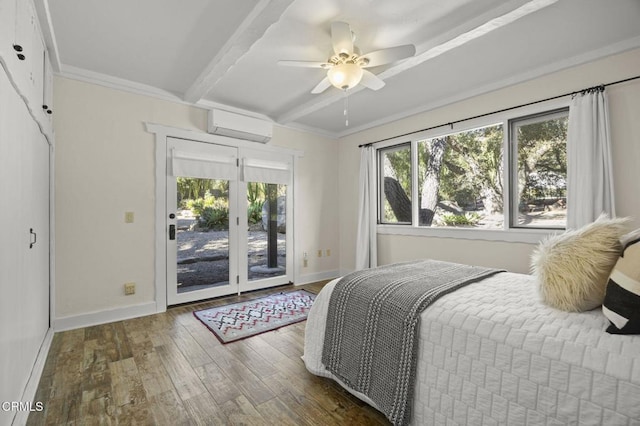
x=624, y=102
x=105, y=166
x=317, y=220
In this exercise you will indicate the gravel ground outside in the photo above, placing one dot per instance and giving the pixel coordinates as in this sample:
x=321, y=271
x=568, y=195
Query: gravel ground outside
x=203, y=257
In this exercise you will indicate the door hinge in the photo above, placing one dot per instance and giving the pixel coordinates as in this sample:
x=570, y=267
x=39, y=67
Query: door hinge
x=238, y=220
x=237, y=279
x=237, y=162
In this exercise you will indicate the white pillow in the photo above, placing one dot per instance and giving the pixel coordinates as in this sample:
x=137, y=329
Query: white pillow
x=573, y=268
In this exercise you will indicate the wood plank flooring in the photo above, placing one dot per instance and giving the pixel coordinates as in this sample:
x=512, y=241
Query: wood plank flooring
x=169, y=369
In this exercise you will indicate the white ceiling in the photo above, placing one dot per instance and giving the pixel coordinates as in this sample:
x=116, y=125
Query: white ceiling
x=224, y=53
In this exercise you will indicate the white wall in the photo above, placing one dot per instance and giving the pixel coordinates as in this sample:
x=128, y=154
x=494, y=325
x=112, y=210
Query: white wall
x=624, y=102
x=105, y=167
x=316, y=216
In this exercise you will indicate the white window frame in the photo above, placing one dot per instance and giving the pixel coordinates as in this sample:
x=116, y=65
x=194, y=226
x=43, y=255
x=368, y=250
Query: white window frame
x=380, y=180
x=513, y=161
x=508, y=233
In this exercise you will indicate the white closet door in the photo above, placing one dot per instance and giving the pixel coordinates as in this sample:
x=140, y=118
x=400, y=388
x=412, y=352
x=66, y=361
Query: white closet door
x=36, y=230
x=11, y=247
x=24, y=271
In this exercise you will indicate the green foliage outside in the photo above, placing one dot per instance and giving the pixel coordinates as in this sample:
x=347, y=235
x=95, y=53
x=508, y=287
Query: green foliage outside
x=542, y=160
x=208, y=200
x=471, y=173
x=472, y=168
x=193, y=188
x=255, y=199
x=467, y=219
x=211, y=212
x=254, y=212
x=216, y=216
x=400, y=162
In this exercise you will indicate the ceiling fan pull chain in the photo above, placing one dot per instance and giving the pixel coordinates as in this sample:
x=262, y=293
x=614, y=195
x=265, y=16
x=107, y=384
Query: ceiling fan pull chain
x=346, y=108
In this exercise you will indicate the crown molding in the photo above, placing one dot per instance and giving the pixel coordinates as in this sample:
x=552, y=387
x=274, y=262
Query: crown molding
x=310, y=129
x=117, y=83
x=207, y=104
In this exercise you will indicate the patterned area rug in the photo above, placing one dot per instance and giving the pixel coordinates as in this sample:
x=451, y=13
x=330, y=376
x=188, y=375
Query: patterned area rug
x=245, y=319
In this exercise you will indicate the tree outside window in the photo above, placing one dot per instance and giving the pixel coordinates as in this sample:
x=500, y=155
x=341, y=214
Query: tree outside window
x=460, y=176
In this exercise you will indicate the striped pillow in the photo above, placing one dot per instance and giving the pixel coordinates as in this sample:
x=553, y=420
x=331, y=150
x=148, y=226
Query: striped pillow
x=622, y=300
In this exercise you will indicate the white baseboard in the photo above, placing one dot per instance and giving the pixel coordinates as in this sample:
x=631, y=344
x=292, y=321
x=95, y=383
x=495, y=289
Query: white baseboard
x=317, y=276
x=30, y=390
x=103, y=317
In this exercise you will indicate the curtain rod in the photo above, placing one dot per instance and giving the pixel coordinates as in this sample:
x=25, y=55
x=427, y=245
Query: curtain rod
x=451, y=123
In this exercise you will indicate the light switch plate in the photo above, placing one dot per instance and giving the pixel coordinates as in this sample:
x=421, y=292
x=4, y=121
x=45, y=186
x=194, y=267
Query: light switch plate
x=128, y=217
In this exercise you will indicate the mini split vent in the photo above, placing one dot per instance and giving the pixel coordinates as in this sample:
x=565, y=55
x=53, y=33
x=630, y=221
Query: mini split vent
x=239, y=126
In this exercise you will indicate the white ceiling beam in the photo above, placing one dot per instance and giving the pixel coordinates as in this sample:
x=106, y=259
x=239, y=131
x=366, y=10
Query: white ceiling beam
x=483, y=24
x=263, y=15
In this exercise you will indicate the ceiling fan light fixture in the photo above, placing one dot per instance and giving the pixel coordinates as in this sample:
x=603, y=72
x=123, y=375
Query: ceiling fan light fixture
x=347, y=66
x=345, y=76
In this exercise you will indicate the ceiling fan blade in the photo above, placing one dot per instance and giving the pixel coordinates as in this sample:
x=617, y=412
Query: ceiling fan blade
x=322, y=86
x=386, y=56
x=341, y=38
x=305, y=64
x=371, y=80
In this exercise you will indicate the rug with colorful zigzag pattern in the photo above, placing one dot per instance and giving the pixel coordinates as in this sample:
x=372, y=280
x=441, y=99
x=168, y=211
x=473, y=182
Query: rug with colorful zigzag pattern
x=245, y=319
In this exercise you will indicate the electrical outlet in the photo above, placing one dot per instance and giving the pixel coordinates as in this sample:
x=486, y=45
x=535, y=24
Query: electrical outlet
x=328, y=251
x=128, y=217
x=129, y=288
x=319, y=253
x=305, y=260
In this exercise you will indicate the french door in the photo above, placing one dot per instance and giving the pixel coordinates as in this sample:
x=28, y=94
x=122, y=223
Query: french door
x=226, y=215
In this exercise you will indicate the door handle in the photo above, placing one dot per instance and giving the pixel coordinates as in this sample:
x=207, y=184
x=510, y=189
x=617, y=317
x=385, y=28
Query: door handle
x=172, y=232
x=34, y=240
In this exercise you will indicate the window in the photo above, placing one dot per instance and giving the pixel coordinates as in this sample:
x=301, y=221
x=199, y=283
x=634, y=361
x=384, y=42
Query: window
x=539, y=170
x=460, y=179
x=395, y=178
x=507, y=174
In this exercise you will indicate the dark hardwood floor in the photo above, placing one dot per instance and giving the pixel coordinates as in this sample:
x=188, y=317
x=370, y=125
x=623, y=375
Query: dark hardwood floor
x=169, y=369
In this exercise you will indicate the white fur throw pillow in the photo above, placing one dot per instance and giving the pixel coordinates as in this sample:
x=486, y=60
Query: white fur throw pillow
x=573, y=268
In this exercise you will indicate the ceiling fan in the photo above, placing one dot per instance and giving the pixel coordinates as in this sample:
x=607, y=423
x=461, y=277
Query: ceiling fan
x=346, y=67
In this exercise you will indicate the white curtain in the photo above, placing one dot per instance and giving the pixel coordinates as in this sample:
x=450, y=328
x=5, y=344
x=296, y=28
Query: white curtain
x=366, y=246
x=589, y=169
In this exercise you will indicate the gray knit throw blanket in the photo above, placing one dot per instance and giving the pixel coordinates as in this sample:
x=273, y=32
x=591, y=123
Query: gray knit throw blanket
x=371, y=338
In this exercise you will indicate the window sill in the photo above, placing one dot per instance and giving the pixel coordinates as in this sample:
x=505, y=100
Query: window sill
x=529, y=236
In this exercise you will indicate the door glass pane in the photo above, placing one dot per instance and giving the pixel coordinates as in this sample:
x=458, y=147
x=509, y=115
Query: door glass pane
x=267, y=220
x=202, y=233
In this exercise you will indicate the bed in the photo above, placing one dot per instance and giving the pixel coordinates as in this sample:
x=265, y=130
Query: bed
x=491, y=353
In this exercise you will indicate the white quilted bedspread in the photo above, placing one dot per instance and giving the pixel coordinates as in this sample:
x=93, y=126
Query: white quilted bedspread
x=491, y=353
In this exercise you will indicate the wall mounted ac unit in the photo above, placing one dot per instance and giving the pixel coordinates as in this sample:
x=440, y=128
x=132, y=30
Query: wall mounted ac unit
x=239, y=126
